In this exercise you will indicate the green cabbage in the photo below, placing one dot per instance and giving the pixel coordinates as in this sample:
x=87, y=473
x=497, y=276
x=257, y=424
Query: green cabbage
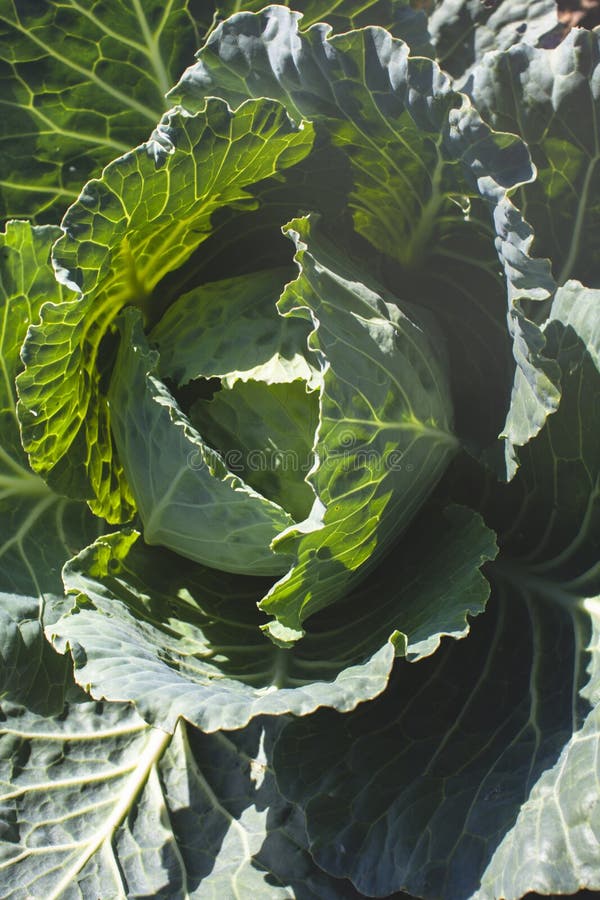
x=299, y=450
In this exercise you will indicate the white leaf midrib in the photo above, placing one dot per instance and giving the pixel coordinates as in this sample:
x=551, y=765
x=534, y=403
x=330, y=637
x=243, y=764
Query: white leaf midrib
x=158, y=742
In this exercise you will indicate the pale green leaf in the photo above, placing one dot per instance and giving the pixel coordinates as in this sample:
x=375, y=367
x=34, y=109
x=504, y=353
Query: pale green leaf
x=230, y=329
x=266, y=434
x=264, y=423
x=185, y=641
x=188, y=500
x=550, y=98
x=578, y=308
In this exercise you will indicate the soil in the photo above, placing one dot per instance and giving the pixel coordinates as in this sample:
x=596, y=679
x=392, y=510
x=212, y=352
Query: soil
x=582, y=13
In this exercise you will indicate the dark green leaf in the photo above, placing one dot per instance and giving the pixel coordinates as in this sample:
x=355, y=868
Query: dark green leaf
x=97, y=804
x=80, y=84
x=477, y=771
x=418, y=160
x=463, y=31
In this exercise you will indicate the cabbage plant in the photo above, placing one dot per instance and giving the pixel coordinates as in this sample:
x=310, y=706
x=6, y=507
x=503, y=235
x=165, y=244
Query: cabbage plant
x=299, y=454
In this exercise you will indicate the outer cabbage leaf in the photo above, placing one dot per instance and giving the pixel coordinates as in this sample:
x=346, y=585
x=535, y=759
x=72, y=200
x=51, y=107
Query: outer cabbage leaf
x=97, y=804
x=552, y=848
x=416, y=148
x=65, y=802
x=186, y=641
x=553, y=845
x=39, y=530
x=80, y=83
x=397, y=16
x=549, y=98
x=462, y=31
x=149, y=212
x=416, y=790
x=417, y=160
x=483, y=775
x=552, y=100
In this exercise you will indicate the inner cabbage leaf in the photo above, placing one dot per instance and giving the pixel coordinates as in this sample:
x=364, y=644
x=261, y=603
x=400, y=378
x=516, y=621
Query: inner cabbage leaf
x=375, y=420
x=267, y=432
